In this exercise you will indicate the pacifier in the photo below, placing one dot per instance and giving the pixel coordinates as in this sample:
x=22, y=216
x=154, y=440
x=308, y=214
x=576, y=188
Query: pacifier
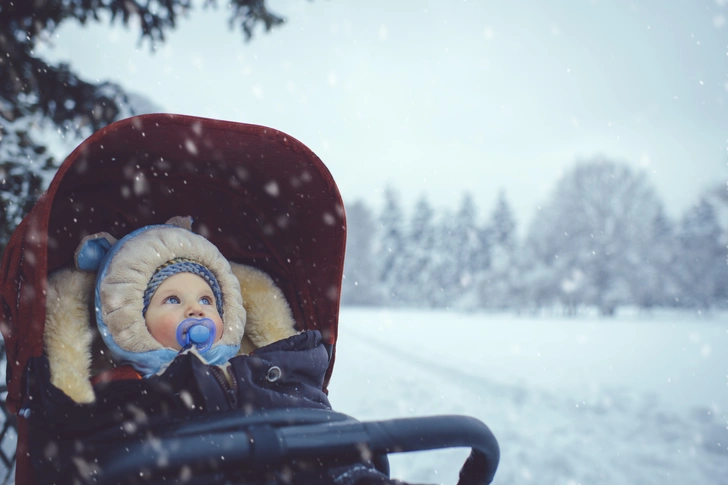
x=199, y=332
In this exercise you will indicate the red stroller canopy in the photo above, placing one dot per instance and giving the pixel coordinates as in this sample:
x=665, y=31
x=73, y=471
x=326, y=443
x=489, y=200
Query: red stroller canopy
x=262, y=197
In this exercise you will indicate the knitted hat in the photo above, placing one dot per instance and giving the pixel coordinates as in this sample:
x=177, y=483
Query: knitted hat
x=131, y=269
x=182, y=265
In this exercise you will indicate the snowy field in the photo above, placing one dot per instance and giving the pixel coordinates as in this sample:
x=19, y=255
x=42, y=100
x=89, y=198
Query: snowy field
x=631, y=400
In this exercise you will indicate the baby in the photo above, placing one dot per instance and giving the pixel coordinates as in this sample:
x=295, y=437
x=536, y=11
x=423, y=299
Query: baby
x=160, y=289
x=169, y=306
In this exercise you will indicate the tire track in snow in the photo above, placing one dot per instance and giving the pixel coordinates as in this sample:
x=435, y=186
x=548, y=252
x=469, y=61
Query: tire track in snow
x=627, y=438
x=515, y=393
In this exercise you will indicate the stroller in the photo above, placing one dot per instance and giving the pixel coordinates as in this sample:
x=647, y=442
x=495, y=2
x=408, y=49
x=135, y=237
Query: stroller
x=265, y=200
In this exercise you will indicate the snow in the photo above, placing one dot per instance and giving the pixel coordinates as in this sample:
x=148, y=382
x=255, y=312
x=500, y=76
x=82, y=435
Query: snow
x=635, y=399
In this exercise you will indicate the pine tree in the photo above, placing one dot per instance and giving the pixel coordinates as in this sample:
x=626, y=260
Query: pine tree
x=718, y=198
x=35, y=94
x=22, y=177
x=533, y=289
x=654, y=281
x=440, y=288
x=703, y=272
x=460, y=245
x=359, y=286
x=419, y=280
x=497, y=285
x=389, y=251
x=503, y=223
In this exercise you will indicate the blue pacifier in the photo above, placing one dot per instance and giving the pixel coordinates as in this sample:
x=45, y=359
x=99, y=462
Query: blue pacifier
x=199, y=332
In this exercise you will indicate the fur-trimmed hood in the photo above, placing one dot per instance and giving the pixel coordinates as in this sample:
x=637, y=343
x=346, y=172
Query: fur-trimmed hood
x=255, y=310
x=124, y=269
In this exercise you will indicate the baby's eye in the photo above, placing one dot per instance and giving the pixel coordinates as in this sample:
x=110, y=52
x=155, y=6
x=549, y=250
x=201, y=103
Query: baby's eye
x=206, y=300
x=172, y=299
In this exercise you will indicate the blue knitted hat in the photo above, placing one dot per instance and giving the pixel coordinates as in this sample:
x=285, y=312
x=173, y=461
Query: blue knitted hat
x=182, y=265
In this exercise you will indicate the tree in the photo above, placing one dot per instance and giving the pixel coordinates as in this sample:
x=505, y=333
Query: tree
x=503, y=223
x=533, y=288
x=655, y=284
x=499, y=274
x=459, y=246
x=359, y=287
x=703, y=272
x=419, y=279
x=390, y=248
x=594, y=235
x=34, y=93
x=718, y=198
x=21, y=178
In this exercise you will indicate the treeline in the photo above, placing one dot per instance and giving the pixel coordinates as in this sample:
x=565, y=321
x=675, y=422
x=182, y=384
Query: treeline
x=601, y=241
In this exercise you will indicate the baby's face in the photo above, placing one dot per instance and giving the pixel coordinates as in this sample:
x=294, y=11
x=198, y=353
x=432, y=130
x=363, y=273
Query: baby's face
x=181, y=296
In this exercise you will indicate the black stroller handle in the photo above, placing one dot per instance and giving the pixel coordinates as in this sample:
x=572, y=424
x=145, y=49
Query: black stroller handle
x=403, y=435
x=281, y=436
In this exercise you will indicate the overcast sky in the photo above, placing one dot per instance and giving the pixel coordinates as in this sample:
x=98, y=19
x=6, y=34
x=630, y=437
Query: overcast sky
x=440, y=97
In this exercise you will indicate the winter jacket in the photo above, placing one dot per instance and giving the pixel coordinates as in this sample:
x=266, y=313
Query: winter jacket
x=65, y=436
x=285, y=374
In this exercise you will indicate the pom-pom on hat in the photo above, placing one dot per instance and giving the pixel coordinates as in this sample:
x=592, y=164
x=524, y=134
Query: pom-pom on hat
x=127, y=269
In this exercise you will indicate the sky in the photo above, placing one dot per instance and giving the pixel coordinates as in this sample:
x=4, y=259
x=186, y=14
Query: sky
x=437, y=98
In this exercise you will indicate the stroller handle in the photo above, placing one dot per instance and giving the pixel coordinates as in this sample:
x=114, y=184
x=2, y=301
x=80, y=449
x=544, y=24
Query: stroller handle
x=306, y=434
x=403, y=435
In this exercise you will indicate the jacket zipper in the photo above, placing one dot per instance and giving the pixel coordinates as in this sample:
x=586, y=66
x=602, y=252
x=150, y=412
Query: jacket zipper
x=229, y=386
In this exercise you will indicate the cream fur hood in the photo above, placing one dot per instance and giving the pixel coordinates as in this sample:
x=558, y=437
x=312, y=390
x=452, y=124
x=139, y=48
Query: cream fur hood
x=255, y=310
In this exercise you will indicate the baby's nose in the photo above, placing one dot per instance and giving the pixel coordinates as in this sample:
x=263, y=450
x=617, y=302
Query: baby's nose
x=195, y=310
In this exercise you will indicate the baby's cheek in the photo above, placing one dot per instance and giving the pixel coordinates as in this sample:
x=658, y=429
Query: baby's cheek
x=165, y=332
x=219, y=328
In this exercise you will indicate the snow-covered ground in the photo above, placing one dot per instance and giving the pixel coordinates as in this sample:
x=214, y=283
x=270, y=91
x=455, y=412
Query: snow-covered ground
x=631, y=400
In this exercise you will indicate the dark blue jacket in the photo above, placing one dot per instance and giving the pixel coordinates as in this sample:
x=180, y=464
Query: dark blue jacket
x=285, y=374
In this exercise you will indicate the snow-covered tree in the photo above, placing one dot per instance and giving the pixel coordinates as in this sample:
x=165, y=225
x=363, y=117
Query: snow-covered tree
x=419, y=279
x=23, y=166
x=532, y=289
x=502, y=223
x=359, y=278
x=594, y=234
x=498, y=270
x=718, y=198
x=389, y=248
x=459, y=245
x=655, y=283
x=37, y=96
x=701, y=259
